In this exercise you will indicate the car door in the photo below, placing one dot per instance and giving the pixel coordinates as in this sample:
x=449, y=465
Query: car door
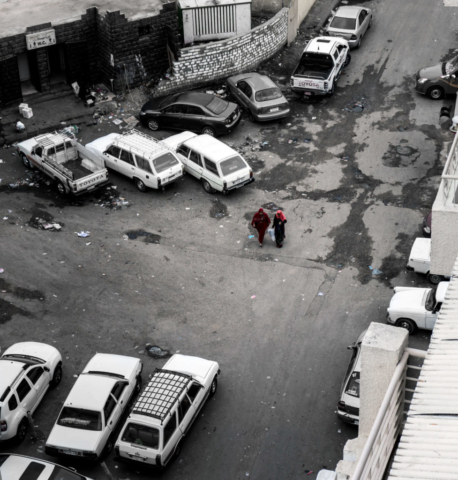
x=40, y=379
x=196, y=119
x=111, y=413
x=197, y=395
x=174, y=117
x=244, y=93
x=121, y=393
x=126, y=164
x=186, y=412
x=452, y=83
x=111, y=157
x=431, y=316
x=362, y=23
x=171, y=436
x=195, y=164
x=210, y=173
x=145, y=171
x=27, y=395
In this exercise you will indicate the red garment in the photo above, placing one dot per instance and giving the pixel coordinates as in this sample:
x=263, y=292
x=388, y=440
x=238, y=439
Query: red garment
x=260, y=221
x=281, y=215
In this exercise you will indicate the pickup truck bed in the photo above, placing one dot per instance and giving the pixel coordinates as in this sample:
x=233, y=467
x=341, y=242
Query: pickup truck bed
x=78, y=170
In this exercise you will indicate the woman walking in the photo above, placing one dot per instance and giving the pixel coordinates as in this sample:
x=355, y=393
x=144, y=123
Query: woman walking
x=279, y=227
x=260, y=221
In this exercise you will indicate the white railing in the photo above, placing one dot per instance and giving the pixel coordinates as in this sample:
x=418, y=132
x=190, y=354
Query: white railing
x=449, y=176
x=388, y=423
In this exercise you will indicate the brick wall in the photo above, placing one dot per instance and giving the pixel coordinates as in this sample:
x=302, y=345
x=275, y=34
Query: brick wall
x=214, y=61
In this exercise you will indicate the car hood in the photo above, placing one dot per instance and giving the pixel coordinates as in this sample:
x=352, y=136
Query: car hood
x=74, y=438
x=27, y=144
x=431, y=72
x=34, y=349
x=176, y=141
x=411, y=299
x=102, y=143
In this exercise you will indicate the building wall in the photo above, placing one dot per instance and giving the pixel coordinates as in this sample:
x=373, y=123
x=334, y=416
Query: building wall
x=274, y=6
x=208, y=63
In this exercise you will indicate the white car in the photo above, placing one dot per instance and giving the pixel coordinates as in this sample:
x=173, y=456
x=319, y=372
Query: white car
x=94, y=407
x=351, y=23
x=19, y=467
x=420, y=260
x=27, y=370
x=165, y=411
x=414, y=308
x=149, y=162
x=215, y=164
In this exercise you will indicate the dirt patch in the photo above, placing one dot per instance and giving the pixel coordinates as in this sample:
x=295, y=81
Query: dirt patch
x=218, y=209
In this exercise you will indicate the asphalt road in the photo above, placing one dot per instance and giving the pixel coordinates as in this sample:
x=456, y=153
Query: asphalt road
x=283, y=353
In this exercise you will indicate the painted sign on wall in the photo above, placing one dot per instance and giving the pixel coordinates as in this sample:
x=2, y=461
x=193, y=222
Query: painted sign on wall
x=40, y=39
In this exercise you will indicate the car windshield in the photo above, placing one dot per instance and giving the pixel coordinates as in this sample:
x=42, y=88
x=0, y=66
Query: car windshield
x=268, y=94
x=353, y=385
x=164, y=162
x=80, y=418
x=60, y=473
x=343, y=23
x=451, y=65
x=168, y=100
x=430, y=300
x=232, y=165
x=217, y=106
x=141, y=435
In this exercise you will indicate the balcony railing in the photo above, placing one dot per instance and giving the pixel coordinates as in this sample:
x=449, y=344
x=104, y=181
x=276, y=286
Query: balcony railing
x=449, y=179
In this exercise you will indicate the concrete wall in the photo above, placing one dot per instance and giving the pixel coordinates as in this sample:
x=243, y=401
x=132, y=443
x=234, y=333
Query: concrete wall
x=215, y=61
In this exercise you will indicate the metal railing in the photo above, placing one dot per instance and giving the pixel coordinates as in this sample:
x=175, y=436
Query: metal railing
x=449, y=176
x=388, y=423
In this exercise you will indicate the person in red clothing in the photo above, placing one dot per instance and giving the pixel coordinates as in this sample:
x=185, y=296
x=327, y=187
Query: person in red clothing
x=260, y=221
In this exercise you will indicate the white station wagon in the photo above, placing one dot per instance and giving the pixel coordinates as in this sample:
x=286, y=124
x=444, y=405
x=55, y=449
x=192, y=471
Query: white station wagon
x=94, y=407
x=27, y=370
x=165, y=411
x=215, y=164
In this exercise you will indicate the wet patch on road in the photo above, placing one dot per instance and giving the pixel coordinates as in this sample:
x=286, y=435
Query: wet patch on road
x=8, y=309
x=400, y=156
x=394, y=264
x=218, y=209
x=156, y=352
x=147, y=237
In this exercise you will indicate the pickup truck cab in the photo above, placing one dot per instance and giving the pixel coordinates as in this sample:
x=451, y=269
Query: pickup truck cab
x=75, y=169
x=420, y=260
x=413, y=308
x=320, y=66
x=149, y=162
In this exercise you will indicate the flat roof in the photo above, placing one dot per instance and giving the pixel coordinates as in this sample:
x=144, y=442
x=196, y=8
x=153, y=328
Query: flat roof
x=211, y=147
x=185, y=4
x=17, y=15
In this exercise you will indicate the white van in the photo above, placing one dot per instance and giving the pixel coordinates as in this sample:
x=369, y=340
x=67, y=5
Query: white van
x=420, y=260
x=148, y=161
x=218, y=166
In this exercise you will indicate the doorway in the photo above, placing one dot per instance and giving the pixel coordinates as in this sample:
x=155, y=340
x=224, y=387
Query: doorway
x=27, y=86
x=56, y=64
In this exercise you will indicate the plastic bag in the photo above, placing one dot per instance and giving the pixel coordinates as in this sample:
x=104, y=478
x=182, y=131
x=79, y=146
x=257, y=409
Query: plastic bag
x=271, y=233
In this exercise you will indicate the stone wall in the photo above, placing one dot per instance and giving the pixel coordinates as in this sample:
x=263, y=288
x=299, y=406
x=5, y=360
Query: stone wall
x=215, y=61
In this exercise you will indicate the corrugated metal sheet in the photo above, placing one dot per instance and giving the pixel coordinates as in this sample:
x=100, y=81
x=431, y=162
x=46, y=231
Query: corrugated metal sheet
x=428, y=448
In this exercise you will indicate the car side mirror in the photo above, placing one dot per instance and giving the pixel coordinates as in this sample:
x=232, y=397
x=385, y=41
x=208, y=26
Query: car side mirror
x=351, y=347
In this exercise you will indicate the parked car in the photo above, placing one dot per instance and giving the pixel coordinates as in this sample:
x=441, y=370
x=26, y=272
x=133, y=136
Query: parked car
x=320, y=66
x=27, y=370
x=427, y=225
x=194, y=111
x=413, y=308
x=149, y=162
x=165, y=410
x=215, y=164
x=438, y=80
x=420, y=260
x=348, y=405
x=20, y=467
x=86, y=424
x=351, y=23
x=260, y=96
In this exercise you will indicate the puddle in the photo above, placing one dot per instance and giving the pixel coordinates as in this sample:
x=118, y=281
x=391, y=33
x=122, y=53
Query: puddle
x=400, y=156
x=218, y=209
x=148, y=237
x=156, y=352
x=272, y=206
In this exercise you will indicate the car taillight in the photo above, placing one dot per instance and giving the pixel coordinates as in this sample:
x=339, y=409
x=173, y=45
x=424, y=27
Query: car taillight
x=251, y=173
x=159, y=183
x=341, y=406
x=353, y=37
x=325, y=85
x=3, y=426
x=91, y=455
x=228, y=120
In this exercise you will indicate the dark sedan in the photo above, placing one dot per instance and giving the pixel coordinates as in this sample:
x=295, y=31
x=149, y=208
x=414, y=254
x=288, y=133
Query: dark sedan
x=438, y=80
x=191, y=111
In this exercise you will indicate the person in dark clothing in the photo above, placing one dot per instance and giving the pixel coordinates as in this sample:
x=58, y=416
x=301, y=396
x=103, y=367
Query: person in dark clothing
x=260, y=221
x=279, y=227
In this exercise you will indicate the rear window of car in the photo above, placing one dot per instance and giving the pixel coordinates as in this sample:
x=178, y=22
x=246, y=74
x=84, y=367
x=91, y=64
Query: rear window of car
x=80, y=418
x=217, y=106
x=141, y=435
x=164, y=162
x=232, y=165
x=353, y=385
x=143, y=164
x=33, y=471
x=343, y=23
x=60, y=473
x=268, y=94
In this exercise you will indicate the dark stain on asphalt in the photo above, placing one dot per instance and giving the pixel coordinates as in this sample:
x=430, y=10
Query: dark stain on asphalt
x=156, y=352
x=8, y=309
x=40, y=218
x=400, y=156
x=218, y=209
x=147, y=237
x=395, y=263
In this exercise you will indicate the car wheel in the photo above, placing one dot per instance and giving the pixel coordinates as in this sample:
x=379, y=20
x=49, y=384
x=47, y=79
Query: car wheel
x=407, y=324
x=208, y=131
x=359, y=43
x=153, y=125
x=370, y=23
x=347, y=60
x=436, y=93
x=251, y=116
x=214, y=386
x=140, y=185
x=25, y=160
x=331, y=92
x=22, y=431
x=177, y=450
x=434, y=279
x=207, y=187
x=57, y=376
x=108, y=446
x=61, y=188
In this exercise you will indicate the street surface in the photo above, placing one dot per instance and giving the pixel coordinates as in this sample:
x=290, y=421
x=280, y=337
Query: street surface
x=277, y=321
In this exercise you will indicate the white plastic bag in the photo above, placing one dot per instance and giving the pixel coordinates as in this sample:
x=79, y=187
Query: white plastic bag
x=271, y=233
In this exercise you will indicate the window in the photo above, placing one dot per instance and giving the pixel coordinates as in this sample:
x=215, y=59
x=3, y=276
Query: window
x=126, y=157
x=39, y=151
x=353, y=385
x=35, y=374
x=80, y=418
x=335, y=54
x=143, y=164
x=144, y=30
x=245, y=88
x=195, y=110
x=217, y=106
x=141, y=435
x=23, y=389
x=183, y=150
x=118, y=389
x=268, y=94
x=109, y=407
x=176, y=109
x=12, y=402
x=183, y=408
x=343, y=23
x=211, y=167
x=164, y=162
x=61, y=473
x=170, y=428
x=232, y=165
x=60, y=148
x=341, y=48
x=193, y=391
x=114, y=151
x=32, y=471
x=195, y=157
x=361, y=17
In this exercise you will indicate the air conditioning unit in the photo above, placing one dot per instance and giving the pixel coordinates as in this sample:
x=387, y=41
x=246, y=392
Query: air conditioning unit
x=206, y=20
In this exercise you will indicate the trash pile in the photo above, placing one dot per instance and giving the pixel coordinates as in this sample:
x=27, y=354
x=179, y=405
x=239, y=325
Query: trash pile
x=221, y=91
x=110, y=199
x=43, y=224
x=35, y=179
x=357, y=105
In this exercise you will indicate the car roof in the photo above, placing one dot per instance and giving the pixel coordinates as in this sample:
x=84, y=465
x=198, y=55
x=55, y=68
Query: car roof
x=55, y=138
x=141, y=144
x=10, y=370
x=90, y=392
x=257, y=81
x=441, y=291
x=193, y=366
x=421, y=249
x=210, y=147
x=322, y=44
x=348, y=12
x=194, y=98
x=110, y=363
x=32, y=349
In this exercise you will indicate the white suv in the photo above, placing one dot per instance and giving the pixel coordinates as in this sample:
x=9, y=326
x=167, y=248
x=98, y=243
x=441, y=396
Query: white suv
x=165, y=410
x=26, y=371
x=94, y=407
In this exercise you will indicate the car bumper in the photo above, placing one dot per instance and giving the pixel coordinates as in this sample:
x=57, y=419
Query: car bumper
x=227, y=128
x=409, y=268
x=388, y=319
x=57, y=452
x=421, y=87
x=239, y=185
x=174, y=179
x=348, y=417
x=265, y=117
x=309, y=93
x=90, y=189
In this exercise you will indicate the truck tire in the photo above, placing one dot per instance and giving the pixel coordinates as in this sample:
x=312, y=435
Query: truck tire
x=347, y=60
x=435, y=279
x=61, y=188
x=407, y=324
x=26, y=161
x=140, y=185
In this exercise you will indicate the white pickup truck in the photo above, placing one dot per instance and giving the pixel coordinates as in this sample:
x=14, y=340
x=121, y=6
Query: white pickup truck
x=320, y=66
x=420, y=260
x=75, y=169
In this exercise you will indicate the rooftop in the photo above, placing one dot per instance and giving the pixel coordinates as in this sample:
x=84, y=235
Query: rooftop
x=348, y=12
x=141, y=144
x=109, y=363
x=322, y=44
x=184, y=4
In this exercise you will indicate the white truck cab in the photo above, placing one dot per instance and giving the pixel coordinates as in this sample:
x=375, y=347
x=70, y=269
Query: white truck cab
x=420, y=260
x=149, y=162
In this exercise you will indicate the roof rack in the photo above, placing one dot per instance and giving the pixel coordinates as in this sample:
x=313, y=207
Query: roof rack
x=162, y=392
x=142, y=143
